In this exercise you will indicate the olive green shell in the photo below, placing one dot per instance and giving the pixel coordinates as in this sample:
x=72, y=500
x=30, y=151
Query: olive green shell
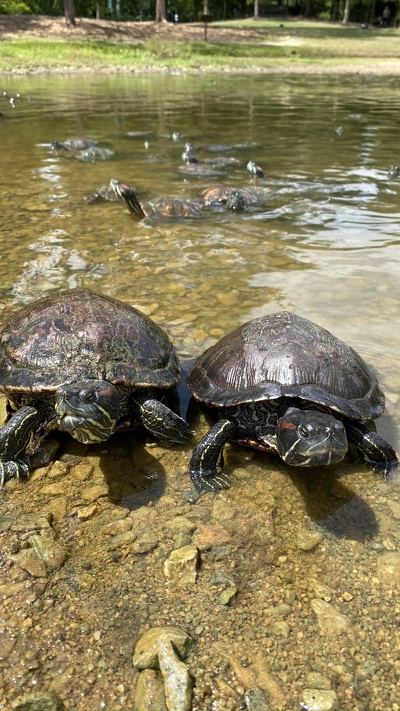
x=285, y=355
x=77, y=335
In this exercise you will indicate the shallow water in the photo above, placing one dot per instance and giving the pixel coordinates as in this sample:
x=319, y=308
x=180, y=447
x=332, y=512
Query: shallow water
x=322, y=241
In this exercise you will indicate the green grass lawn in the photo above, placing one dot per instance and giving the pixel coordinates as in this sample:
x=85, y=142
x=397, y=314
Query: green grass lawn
x=269, y=45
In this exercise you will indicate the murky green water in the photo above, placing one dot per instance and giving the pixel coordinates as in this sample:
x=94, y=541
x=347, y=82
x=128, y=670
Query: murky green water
x=323, y=241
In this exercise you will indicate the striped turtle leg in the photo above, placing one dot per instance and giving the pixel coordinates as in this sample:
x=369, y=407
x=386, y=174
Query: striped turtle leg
x=206, y=462
x=160, y=420
x=372, y=448
x=15, y=439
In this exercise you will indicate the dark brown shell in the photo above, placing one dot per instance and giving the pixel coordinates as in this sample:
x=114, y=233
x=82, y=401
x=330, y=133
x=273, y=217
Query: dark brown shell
x=220, y=194
x=78, y=334
x=171, y=207
x=285, y=355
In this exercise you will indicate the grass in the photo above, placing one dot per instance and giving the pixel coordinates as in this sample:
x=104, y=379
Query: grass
x=264, y=45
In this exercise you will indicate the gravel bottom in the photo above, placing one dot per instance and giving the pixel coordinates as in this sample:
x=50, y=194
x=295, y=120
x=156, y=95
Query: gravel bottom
x=295, y=591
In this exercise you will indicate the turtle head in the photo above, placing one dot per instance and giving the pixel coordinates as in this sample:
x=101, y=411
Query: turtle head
x=127, y=194
x=310, y=438
x=88, y=410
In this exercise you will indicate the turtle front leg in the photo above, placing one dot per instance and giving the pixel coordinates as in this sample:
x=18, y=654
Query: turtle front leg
x=161, y=421
x=16, y=438
x=372, y=448
x=206, y=463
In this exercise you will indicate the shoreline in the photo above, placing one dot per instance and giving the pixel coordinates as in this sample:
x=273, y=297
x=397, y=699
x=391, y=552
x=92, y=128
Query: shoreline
x=298, y=52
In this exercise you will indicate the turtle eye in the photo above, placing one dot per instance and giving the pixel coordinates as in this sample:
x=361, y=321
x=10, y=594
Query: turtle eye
x=87, y=396
x=304, y=431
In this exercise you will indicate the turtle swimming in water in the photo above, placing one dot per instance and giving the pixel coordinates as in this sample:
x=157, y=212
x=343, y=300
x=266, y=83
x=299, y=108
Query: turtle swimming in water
x=160, y=208
x=74, y=144
x=283, y=384
x=86, y=364
x=230, y=197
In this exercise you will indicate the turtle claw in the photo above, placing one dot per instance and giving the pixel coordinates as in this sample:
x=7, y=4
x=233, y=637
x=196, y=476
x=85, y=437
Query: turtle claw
x=16, y=469
x=210, y=483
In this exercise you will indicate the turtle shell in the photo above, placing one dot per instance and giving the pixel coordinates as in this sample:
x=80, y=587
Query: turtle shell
x=77, y=335
x=220, y=194
x=285, y=355
x=171, y=207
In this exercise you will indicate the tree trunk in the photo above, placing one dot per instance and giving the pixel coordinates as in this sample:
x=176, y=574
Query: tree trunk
x=118, y=8
x=346, y=13
x=161, y=11
x=69, y=11
x=256, y=13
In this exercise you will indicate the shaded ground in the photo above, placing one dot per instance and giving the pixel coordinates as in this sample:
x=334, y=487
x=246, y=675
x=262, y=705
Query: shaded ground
x=56, y=27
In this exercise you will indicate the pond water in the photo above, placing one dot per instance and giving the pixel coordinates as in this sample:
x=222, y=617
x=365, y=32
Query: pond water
x=322, y=241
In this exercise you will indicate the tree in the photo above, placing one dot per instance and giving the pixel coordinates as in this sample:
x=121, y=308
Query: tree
x=69, y=12
x=346, y=13
x=256, y=13
x=161, y=10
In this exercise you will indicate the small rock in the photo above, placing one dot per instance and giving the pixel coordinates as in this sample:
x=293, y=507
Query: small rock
x=315, y=680
x=209, y=536
x=38, y=702
x=145, y=543
x=27, y=560
x=307, y=540
x=180, y=568
x=115, y=527
x=319, y=700
x=366, y=670
x=6, y=645
x=227, y=595
x=48, y=550
x=86, y=512
x=330, y=621
x=93, y=493
x=256, y=700
x=121, y=540
x=150, y=695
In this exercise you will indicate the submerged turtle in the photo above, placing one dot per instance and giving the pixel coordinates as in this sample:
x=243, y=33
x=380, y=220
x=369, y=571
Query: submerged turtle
x=231, y=197
x=102, y=194
x=160, y=208
x=282, y=384
x=88, y=364
x=74, y=144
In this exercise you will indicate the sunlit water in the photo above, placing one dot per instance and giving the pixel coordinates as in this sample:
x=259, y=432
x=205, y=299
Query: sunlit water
x=323, y=240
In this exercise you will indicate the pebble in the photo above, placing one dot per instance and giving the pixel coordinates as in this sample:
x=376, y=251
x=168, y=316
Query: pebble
x=319, y=700
x=180, y=568
x=331, y=622
x=209, y=536
x=316, y=680
x=307, y=540
x=38, y=702
x=388, y=569
x=145, y=543
x=93, y=493
x=52, y=553
x=228, y=595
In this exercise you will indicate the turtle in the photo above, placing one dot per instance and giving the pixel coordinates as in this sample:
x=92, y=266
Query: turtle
x=102, y=194
x=74, y=144
x=280, y=383
x=87, y=364
x=229, y=196
x=160, y=208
